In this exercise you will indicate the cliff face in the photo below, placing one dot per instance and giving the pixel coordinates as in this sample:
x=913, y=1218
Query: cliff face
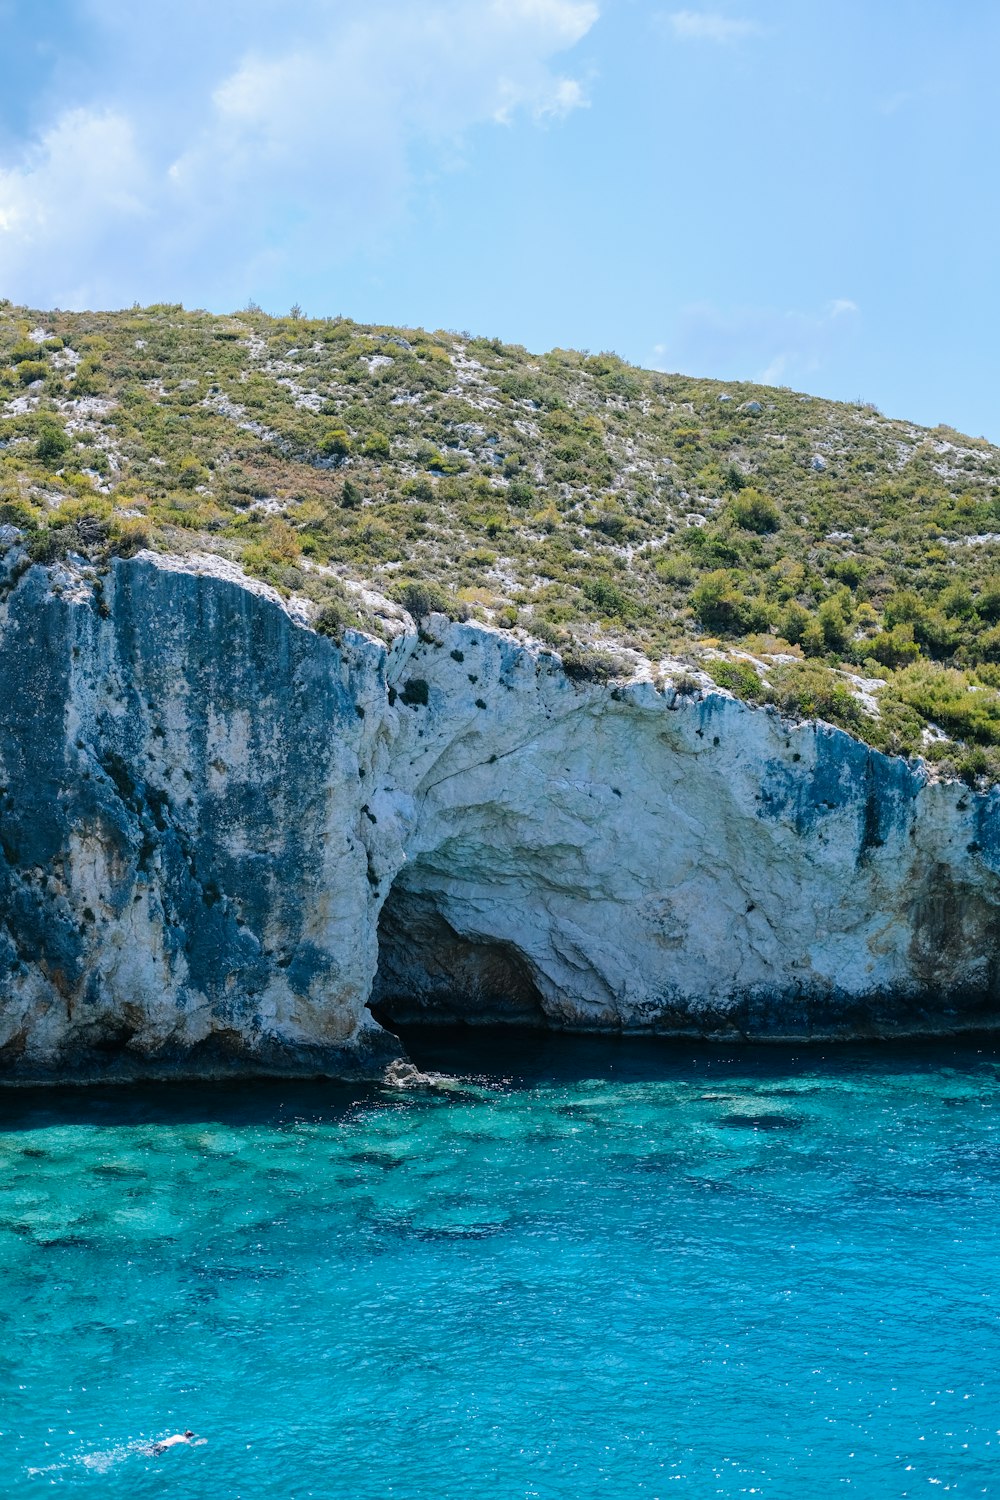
x=222, y=837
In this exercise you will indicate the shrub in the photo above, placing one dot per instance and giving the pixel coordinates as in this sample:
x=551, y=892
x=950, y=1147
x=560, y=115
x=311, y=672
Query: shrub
x=88, y=380
x=988, y=602
x=720, y=604
x=739, y=678
x=987, y=646
x=17, y=511
x=956, y=601
x=753, y=511
x=815, y=692
x=439, y=463
x=895, y=647
x=334, y=617
x=130, y=534
x=53, y=542
x=590, y=666
x=31, y=370
x=377, y=446
x=937, y=633
x=834, y=620
x=280, y=541
x=416, y=693
x=191, y=473
x=813, y=638
x=608, y=598
x=613, y=523
x=902, y=608
x=423, y=599
x=336, y=444
x=850, y=571
x=946, y=697
x=52, y=443
x=794, y=621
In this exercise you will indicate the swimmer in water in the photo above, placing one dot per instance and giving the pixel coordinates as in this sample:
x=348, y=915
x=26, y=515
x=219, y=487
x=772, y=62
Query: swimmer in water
x=163, y=1444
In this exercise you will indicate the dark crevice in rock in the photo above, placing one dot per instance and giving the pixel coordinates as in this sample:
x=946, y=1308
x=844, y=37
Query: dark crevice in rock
x=429, y=972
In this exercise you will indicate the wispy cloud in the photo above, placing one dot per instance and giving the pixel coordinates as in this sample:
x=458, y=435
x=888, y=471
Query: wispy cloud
x=706, y=26
x=206, y=153
x=764, y=344
x=920, y=95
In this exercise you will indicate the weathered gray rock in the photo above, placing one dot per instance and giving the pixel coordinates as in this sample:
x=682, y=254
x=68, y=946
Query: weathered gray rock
x=221, y=837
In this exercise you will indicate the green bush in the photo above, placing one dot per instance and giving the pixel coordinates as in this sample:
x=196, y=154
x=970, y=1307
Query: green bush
x=609, y=599
x=815, y=692
x=31, y=370
x=590, y=666
x=835, y=617
x=335, y=444
x=720, y=604
x=423, y=599
x=53, y=542
x=52, y=443
x=739, y=678
x=130, y=534
x=753, y=511
x=191, y=473
x=439, y=463
x=895, y=647
x=334, y=617
x=947, y=698
x=377, y=445
x=794, y=621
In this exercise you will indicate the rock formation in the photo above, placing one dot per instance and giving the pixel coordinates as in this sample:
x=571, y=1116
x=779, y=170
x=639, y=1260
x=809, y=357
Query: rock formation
x=223, y=837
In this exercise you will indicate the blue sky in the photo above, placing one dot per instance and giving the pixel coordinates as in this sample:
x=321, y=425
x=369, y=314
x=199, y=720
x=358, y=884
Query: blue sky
x=798, y=192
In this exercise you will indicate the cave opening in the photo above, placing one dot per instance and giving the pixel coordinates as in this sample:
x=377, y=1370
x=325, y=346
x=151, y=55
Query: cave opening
x=429, y=973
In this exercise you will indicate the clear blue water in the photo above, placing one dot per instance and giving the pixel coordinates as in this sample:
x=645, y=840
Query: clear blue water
x=597, y=1269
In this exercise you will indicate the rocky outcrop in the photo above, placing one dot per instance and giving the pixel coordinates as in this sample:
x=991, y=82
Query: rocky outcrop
x=222, y=838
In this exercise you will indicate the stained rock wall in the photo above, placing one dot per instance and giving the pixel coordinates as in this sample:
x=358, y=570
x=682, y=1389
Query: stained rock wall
x=222, y=837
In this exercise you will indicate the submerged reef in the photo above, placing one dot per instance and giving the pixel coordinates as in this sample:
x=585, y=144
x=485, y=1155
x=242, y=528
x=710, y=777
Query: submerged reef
x=228, y=842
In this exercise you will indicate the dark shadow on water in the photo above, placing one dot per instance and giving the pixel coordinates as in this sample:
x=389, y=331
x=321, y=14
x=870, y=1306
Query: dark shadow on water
x=236, y=1102
x=507, y=1057
x=529, y=1058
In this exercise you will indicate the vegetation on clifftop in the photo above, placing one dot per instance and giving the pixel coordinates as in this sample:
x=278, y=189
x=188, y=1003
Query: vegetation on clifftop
x=806, y=552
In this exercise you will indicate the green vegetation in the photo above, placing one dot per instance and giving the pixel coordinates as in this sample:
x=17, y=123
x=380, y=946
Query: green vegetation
x=589, y=503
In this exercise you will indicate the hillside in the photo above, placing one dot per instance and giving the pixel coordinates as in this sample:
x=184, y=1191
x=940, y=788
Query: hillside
x=805, y=552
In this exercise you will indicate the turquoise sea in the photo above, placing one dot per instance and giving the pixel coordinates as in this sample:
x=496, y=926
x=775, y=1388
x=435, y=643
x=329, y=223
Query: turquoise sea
x=589, y=1268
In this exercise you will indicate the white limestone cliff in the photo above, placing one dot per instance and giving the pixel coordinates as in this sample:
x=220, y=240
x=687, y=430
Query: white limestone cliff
x=222, y=837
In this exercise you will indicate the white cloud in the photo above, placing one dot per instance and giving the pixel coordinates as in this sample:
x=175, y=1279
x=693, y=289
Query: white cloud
x=253, y=135
x=73, y=190
x=757, y=343
x=703, y=26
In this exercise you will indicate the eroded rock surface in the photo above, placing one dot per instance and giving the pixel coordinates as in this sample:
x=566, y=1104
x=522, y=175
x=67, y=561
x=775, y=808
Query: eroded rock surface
x=210, y=817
